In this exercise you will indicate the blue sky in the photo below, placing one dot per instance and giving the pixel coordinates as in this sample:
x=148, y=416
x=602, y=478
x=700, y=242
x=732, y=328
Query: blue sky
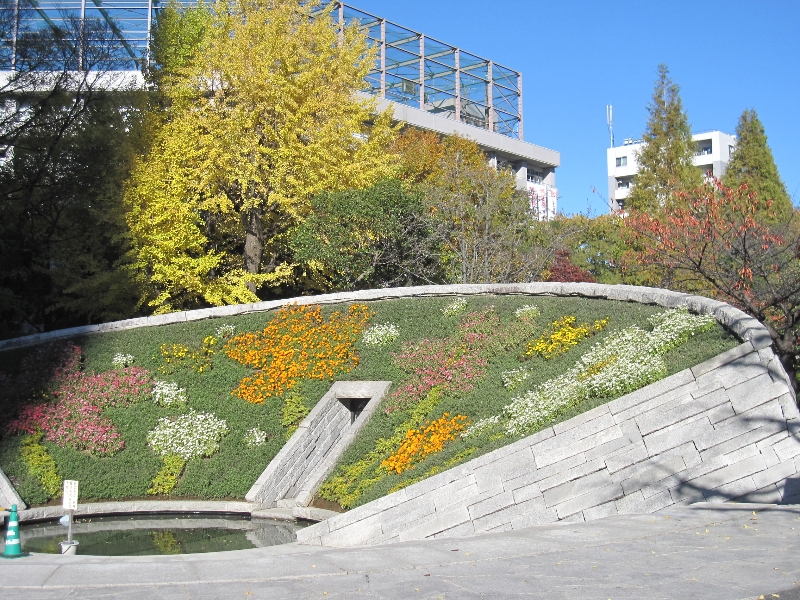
x=576, y=57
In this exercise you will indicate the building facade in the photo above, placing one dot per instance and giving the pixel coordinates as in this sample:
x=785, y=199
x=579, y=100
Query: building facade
x=713, y=151
x=430, y=84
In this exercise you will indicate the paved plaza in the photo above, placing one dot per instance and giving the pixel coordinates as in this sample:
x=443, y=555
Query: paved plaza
x=704, y=551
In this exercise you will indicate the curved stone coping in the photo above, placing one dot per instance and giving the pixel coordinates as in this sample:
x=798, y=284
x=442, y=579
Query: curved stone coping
x=44, y=513
x=744, y=326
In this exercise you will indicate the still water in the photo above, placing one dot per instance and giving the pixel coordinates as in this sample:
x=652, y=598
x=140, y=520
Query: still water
x=141, y=535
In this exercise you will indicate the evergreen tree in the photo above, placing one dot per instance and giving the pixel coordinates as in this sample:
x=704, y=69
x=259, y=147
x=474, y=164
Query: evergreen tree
x=752, y=163
x=665, y=160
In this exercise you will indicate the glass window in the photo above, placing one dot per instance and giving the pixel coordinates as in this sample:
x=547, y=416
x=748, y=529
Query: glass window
x=622, y=161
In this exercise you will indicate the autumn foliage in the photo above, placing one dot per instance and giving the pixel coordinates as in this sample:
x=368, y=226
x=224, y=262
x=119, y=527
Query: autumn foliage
x=299, y=343
x=722, y=242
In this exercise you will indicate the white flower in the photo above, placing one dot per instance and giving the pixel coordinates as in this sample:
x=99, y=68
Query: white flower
x=625, y=361
x=381, y=334
x=528, y=311
x=120, y=360
x=255, y=437
x=456, y=307
x=225, y=331
x=168, y=394
x=190, y=436
x=513, y=378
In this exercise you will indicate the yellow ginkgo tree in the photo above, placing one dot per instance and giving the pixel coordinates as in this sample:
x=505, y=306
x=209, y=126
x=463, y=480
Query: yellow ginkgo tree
x=266, y=115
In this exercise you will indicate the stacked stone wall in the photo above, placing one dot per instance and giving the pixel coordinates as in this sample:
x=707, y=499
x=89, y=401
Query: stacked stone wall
x=727, y=429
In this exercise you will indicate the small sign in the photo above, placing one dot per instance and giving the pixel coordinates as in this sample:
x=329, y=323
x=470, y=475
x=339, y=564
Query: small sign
x=70, y=494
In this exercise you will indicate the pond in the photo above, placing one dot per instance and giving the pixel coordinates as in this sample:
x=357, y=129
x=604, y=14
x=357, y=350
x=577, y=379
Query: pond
x=141, y=535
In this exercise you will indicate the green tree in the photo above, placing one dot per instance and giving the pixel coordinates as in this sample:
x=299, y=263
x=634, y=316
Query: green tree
x=178, y=34
x=368, y=238
x=262, y=120
x=752, y=164
x=665, y=160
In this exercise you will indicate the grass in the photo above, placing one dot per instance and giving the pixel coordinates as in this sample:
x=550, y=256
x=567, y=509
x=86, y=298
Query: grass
x=230, y=472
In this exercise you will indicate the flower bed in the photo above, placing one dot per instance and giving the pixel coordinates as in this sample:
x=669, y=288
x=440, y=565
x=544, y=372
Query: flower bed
x=459, y=361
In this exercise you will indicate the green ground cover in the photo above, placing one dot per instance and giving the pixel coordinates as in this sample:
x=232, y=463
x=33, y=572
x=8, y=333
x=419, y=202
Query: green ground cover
x=492, y=342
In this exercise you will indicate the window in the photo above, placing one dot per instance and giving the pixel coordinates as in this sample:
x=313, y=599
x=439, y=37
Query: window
x=730, y=150
x=623, y=184
x=704, y=148
x=535, y=176
x=622, y=161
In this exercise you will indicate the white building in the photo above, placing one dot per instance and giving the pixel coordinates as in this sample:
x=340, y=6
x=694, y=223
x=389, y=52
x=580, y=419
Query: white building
x=712, y=155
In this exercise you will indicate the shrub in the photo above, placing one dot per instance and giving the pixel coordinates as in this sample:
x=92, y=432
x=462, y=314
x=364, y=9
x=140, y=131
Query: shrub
x=293, y=412
x=381, y=334
x=120, y=361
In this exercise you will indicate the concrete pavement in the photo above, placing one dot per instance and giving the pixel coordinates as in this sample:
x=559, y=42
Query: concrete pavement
x=707, y=551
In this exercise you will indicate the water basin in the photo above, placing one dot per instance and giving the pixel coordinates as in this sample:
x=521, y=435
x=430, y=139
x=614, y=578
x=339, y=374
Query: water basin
x=140, y=535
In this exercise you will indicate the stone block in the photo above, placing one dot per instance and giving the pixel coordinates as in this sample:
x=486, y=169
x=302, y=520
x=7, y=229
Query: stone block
x=577, y=487
x=722, y=359
x=789, y=406
x=488, y=480
x=396, y=520
x=490, y=505
x=728, y=474
x=526, y=493
x=735, y=437
x=767, y=495
x=368, y=510
x=774, y=474
x=575, y=421
x=636, y=503
x=455, y=492
x=570, y=448
x=571, y=474
x=354, y=535
x=647, y=473
x=755, y=391
x=788, y=448
x=654, y=390
x=731, y=490
x=678, y=411
x=741, y=454
x=600, y=512
x=720, y=413
x=436, y=523
x=495, y=521
x=532, y=513
x=679, y=480
x=462, y=530
x=677, y=434
x=556, y=468
x=597, y=496
x=636, y=453
x=770, y=457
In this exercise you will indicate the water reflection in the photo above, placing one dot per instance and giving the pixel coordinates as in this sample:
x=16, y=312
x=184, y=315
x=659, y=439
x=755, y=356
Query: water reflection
x=142, y=535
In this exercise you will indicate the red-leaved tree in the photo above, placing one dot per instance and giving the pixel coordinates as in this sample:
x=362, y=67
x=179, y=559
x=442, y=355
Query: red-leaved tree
x=563, y=269
x=720, y=243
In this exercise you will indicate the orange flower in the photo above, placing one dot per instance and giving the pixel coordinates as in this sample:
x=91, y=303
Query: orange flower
x=297, y=344
x=426, y=440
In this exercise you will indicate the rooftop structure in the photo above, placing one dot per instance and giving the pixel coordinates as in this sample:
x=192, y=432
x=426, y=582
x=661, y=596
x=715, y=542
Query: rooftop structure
x=430, y=84
x=713, y=151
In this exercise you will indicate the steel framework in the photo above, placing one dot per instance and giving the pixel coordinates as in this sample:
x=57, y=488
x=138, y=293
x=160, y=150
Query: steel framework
x=422, y=72
x=411, y=68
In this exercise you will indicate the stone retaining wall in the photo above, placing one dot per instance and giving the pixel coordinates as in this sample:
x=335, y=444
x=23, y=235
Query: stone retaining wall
x=727, y=429
x=293, y=476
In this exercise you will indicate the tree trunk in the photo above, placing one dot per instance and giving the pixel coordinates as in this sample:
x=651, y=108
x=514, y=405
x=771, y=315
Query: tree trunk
x=253, y=243
x=788, y=361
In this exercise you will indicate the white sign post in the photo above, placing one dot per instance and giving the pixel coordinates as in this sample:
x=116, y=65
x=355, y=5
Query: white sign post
x=70, y=502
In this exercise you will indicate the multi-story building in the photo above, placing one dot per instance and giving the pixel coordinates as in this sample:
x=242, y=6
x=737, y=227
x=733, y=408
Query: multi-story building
x=430, y=84
x=713, y=151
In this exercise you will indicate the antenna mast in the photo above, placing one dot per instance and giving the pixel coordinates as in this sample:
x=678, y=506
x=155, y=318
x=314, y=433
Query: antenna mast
x=610, y=122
